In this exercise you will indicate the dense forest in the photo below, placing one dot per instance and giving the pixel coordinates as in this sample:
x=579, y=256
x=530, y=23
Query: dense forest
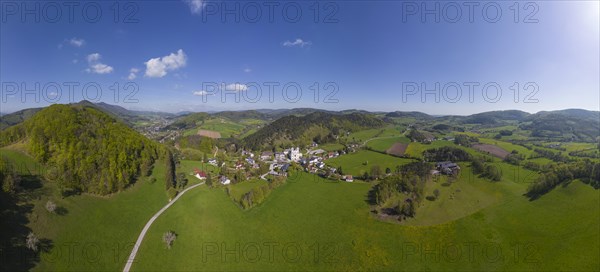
x=320, y=127
x=85, y=149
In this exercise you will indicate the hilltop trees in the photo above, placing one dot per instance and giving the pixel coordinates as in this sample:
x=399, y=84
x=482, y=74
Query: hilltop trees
x=91, y=151
x=446, y=153
x=587, y=171
x=465, y=140
x=318, y=126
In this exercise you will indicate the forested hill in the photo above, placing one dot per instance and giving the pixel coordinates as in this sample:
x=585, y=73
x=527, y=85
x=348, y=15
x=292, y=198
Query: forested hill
x=573, y=124
x=86, y=149
x=320, y=127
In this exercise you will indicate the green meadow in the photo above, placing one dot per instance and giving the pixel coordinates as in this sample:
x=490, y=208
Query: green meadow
x=360, y=162
x=383, y=144
x=315, y=224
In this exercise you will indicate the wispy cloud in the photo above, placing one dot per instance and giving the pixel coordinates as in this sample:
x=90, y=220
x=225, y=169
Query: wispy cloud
x=247, y=70
x=95, y=66
x=77, y=42
x=236, y=87
x=196, y=6
x=297, y=43
x=133, y=73
x=201, y=93
x=158, y=67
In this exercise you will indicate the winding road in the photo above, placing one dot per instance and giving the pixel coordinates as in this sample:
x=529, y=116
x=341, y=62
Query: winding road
x=147, y=226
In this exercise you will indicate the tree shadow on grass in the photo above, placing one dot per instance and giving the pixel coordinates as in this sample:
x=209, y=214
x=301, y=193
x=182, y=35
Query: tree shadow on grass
x=13, y=232
x=14, y=211
x=61, y=211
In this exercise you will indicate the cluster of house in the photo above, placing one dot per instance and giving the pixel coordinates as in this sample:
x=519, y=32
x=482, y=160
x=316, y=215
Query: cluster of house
x=315, y=160
x=201, y=175
x=290, y=154
x=279, y=162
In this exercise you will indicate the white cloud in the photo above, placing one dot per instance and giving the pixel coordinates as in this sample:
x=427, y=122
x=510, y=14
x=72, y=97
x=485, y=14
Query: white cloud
x=95, y=66
x=77, y=42
x=298, y=42
x=99, y=68
x=196, y=6
x=158, y=67
x=236, y=87
x=133, y=73
x=247, y=70
x=93, y=57
x=201, y=93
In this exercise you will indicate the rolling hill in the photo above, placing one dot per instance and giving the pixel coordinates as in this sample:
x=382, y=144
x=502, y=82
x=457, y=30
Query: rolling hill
x=88, y=150
x=318, y=126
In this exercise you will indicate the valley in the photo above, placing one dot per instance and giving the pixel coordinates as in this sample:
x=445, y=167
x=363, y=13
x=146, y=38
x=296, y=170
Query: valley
x=327, y=207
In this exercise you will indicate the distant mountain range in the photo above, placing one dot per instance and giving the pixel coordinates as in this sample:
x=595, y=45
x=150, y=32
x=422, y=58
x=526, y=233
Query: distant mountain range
x=582, y=124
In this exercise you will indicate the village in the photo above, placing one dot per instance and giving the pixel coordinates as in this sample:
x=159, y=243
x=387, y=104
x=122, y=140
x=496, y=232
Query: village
x=247, y=165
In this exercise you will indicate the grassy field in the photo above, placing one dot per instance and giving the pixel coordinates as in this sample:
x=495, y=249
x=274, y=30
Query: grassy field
x=331, y=147
x=383, y=144
x=360, y=162
x=507, y=146
x=239, y=189
x=88, y=233
x=225, y=127
x=313, y=224
x=363, y=135
x=416, y=149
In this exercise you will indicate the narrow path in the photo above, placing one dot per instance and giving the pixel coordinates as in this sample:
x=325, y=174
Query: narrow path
x=147, y=226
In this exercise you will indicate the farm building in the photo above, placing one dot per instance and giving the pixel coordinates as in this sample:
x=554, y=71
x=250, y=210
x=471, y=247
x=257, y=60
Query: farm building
x=448, y=168
x=199, y=174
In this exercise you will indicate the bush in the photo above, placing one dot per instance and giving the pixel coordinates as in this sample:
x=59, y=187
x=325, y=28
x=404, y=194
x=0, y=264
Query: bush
x=51, y=206
x=172, y=193
x=169, y=237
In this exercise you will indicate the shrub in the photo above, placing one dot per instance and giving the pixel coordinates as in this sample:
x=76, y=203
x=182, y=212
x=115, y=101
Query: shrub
x=169, y=237
x=51, y=206
x=172, y=193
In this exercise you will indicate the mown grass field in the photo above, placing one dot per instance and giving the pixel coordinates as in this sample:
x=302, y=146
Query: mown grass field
x=383, y=144
x=363, y=135
x=313, y=224
x=360, y=162
x=226, y=127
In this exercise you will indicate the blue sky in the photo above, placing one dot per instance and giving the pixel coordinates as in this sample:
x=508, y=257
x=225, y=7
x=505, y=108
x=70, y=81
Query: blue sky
x=184, y=55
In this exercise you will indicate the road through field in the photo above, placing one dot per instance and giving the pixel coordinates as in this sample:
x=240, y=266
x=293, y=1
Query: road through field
x=147, y=226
